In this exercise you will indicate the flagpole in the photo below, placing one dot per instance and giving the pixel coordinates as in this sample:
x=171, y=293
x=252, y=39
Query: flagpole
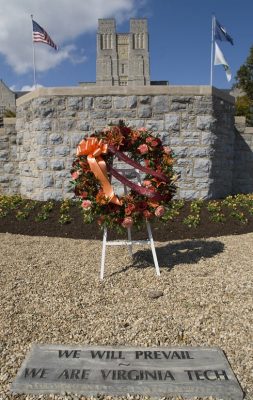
x=212, y=43
x=34, y=69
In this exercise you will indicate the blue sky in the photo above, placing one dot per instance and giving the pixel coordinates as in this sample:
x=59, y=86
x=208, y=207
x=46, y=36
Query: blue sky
x=180, y=39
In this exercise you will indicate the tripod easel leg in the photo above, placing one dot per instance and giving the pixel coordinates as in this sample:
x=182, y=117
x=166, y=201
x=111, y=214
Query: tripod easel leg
x=102, y=269
x=153, y=248
x=130, y=247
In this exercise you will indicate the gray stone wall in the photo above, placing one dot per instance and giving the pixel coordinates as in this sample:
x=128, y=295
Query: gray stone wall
x=197, y=122
x=243, y=157
x=9, y=169
x=7, y=98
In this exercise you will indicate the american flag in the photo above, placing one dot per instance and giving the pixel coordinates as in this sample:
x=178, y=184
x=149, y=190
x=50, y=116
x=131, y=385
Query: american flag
x=40, y=35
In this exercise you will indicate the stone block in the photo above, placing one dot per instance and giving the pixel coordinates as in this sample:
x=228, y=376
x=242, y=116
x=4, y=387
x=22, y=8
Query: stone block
x=132, y=101
x=178, y=106
x=160, y=104
x=83, y=125
x=155, y=125
x=45, y=152
x=66, y=124
x=59, y=103
x=120, y=102
x=75, y=103
x=4, y=146
x=47, y=112
x=201, y=168
x=57, y=165
x=175, y=140
x=41, y=164
x=205, y=122
x=145, y=99
x=4, y=178
x=52, y=195
x=4, y=139
x=103, y=102
x=189, y=194
x=22, y=156
x=83, y=115
x=55, y=138
x=62, y=151
x=40, y=102
x=48, y=180
x=88, y=103
x=198, y=151
x=172, y=122
x=144, y=111
x=180, y=151
x=208, y=138
x=63, y=175
x=4, y=155
x=136, y=123
x=9, y=168
x=41, y=139
x=69, y=114
x=189, y=141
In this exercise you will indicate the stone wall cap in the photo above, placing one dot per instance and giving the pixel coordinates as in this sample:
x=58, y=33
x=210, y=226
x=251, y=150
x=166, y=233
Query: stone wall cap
x=126, y=91
x=249, y=129
x=9, y=121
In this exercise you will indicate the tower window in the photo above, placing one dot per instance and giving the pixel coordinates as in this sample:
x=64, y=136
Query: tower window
x=122, y=68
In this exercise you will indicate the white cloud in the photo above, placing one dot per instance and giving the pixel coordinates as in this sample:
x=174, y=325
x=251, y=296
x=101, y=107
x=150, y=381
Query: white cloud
x=28, y=88
x=64, y=20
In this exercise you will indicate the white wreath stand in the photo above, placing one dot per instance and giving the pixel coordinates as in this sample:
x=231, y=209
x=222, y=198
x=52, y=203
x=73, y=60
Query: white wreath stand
x=129, y=243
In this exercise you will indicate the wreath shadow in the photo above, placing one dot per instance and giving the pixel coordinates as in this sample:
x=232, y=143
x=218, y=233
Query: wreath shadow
x=172, y=254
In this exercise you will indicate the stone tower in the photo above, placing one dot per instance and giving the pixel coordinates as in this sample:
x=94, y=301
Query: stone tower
x=122, y=58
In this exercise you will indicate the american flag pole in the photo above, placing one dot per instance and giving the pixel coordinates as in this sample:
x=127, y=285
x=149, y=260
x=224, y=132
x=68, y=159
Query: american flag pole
x=34, y=69
x=212, y=45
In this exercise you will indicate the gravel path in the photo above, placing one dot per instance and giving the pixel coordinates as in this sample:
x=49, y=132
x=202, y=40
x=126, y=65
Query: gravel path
x=50, y=293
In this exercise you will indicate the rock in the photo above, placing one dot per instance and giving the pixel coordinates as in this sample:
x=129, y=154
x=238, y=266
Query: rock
x=155, y=294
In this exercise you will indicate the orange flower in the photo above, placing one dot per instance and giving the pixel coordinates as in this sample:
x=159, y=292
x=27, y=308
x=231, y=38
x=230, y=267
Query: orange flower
x=100, y=198
x=153, y=204
x=115, y=136
x=167, y=159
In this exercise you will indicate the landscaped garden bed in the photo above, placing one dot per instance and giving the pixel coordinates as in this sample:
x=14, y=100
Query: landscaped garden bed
x=183, y=220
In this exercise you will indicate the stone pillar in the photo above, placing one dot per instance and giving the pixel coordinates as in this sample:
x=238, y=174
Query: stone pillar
x=139, y=73
x=243, y=157
x=107, y=64
x=9, y=167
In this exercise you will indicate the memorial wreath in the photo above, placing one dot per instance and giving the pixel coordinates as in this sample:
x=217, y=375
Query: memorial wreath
x=93, y=169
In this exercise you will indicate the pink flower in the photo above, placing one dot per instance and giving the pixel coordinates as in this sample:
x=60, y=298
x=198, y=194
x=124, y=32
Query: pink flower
x=142, y=129
x=147, y=183
x=75, y=174
x=143, y=148
x=84, y=195
x=159, y=211
x=154, y=143
x=167, y=149
x=86, y=204
x=127, y=222
x=149, y=139
x=147, y=214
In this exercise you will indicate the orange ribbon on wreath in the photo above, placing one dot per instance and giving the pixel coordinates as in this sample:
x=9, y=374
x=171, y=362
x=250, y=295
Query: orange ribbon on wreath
x=93, y=149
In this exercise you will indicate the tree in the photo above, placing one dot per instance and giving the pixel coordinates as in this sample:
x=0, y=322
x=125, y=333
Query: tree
x=244, y=81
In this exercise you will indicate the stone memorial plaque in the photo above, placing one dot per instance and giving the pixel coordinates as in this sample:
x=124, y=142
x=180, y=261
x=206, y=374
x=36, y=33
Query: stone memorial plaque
x=156, y=371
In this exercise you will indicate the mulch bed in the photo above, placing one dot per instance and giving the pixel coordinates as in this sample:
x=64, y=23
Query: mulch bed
x=171, y=230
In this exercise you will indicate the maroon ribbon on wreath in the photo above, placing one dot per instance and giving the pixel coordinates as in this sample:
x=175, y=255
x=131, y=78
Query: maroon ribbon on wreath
x=139, y=189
